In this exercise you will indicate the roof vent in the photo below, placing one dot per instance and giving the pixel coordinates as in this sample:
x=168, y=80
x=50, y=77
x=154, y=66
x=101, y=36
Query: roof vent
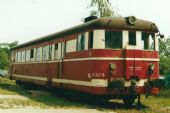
x=90, y=18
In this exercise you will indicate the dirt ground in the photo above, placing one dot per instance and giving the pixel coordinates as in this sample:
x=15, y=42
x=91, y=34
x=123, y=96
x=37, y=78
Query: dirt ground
x=12, y=97
x=38, y=110
x=20, y=109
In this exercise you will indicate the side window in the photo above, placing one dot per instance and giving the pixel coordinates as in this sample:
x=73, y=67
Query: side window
x=56, y=51
x=13, y=57
x=148, y=41
x=16, y=57
x=71, y=45
x=23, y=56
x=50, y=52
x=60, y=56
x=45, y=53
x=27, y=55
x=32, y=53
x=19, y=56
x=113, y=39
x=90, y=43
x=39, y=54
x=132, y=38
x=81, y=42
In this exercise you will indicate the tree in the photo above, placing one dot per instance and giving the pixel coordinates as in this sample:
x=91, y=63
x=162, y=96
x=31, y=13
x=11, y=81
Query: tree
x=13, y=44
x=164, y=47
x=5, y=53
x=104, y=8
x=3, y=58
x=164, y=52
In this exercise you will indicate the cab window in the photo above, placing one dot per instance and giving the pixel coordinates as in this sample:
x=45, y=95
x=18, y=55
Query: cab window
x=132, y=38
x=90, y=40
x=148, y=41
x=113, y=39
x=81, y=42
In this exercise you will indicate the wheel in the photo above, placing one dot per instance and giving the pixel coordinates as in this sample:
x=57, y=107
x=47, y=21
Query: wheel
x=129, y=100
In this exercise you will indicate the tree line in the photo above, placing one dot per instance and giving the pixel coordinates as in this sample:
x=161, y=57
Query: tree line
x=5, y=54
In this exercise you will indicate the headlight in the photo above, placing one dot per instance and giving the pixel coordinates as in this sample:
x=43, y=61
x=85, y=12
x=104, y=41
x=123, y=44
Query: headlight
x=152, y=66
x=112, y=66
x=131, y=20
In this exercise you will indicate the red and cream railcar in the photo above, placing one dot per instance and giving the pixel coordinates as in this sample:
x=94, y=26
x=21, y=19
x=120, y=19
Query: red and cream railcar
x=106, y=56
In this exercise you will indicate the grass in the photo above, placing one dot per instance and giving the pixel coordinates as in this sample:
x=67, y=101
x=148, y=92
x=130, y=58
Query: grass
x=165, y=93
x=154, y=104
x=8, y=87
x=41, y=102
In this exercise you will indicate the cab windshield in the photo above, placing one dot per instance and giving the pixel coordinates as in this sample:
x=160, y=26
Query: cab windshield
x=113, y=39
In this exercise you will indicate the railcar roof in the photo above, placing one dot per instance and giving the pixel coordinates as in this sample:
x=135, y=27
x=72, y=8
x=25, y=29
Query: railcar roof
x=100, y=23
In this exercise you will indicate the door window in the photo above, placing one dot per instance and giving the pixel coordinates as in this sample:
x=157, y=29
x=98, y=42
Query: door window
x=132, y=38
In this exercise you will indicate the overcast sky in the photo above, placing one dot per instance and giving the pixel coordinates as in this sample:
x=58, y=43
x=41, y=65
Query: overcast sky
x=25, y=20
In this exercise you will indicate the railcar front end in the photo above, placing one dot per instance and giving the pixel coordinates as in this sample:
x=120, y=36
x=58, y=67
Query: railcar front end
x=125, y=62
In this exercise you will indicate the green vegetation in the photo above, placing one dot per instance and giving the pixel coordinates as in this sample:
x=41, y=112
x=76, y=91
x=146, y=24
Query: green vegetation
x=151, y=105
x=6, y=84
x=164, y=46
x=165, y=92
x=101, y=8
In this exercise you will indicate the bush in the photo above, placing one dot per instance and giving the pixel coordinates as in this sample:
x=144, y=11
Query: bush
x=159, y=83
x=167, y=81
x=164, y=92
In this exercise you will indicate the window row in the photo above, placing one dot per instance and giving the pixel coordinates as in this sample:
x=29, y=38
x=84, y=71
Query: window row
x=97, y=39
x=37, y=54
x=54, y=51
x=115, y=40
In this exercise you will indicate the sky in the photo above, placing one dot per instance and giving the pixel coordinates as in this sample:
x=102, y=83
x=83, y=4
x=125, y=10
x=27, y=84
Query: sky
x=26, y=20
